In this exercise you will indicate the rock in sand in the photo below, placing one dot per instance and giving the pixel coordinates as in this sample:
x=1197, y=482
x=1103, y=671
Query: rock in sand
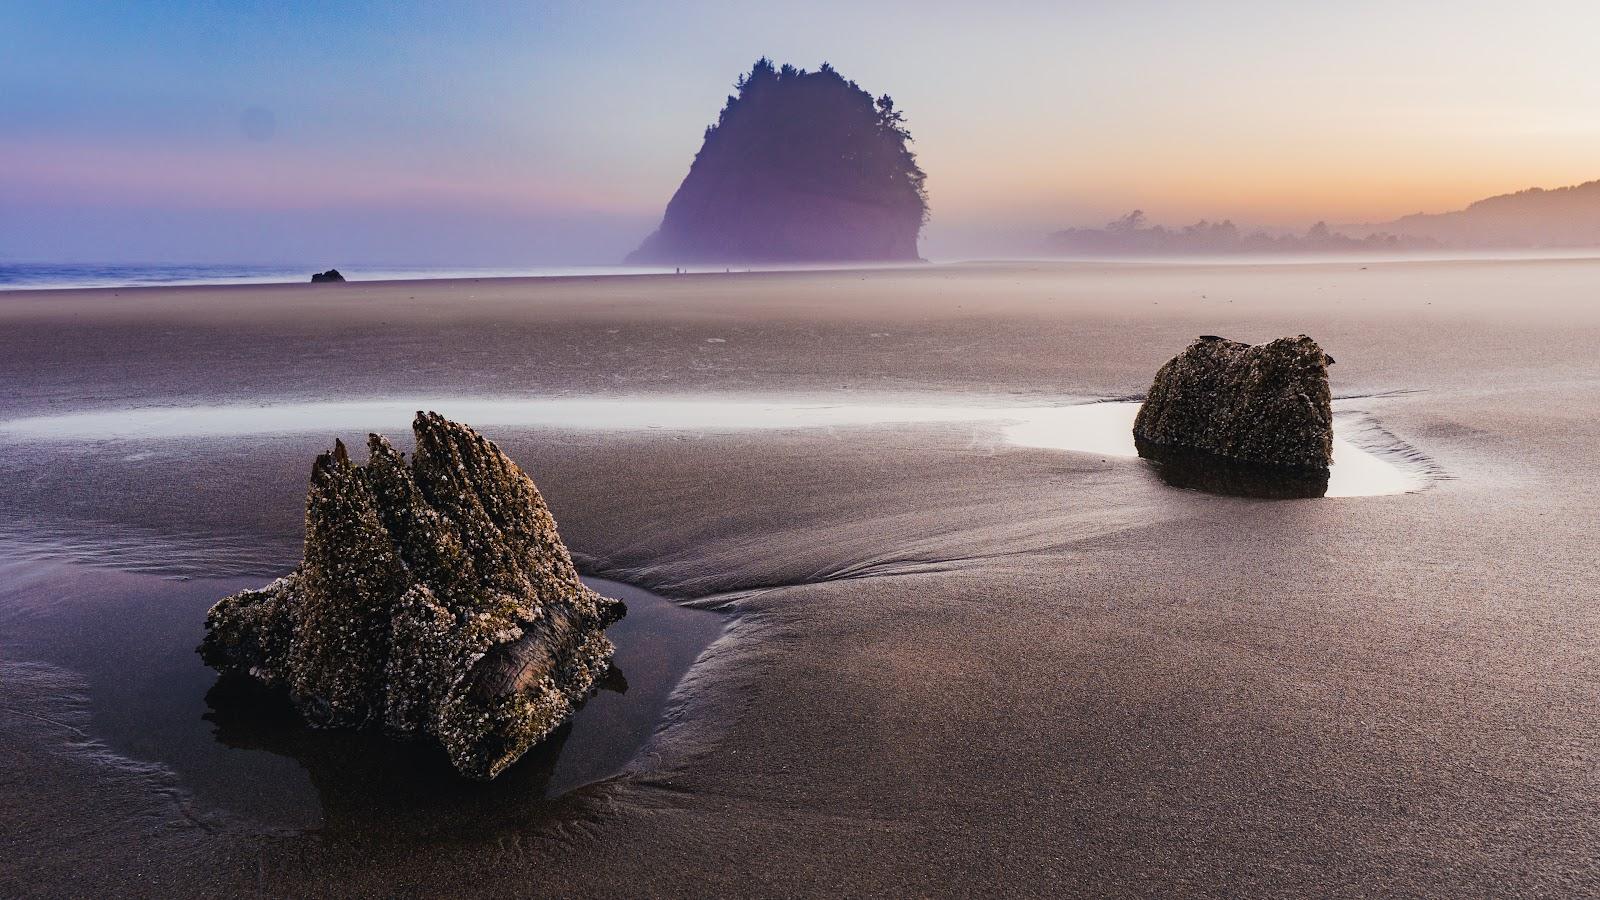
x=435, y=599
x=1266, y=406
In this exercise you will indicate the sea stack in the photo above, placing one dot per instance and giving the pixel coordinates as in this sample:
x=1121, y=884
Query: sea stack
x=332, y=275
x=799, y=167
x=435, y=599
x=1266, y=407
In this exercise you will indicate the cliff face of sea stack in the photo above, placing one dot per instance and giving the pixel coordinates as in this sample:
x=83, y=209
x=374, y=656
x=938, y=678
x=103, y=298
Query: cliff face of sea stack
x=800, y=167
x=435, y=599
x=1266, y=405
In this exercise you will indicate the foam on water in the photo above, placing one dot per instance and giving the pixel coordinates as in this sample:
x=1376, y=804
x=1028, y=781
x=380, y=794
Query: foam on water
x=1099, y=428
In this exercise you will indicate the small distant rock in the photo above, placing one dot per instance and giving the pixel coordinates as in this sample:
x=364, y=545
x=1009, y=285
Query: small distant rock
x=1265, y=405
x=325, y=277
x=435, y=599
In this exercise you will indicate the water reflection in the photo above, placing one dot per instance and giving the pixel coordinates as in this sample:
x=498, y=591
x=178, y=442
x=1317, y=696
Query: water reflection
x=1213, y=474
x=368, y=783
x=365, y=780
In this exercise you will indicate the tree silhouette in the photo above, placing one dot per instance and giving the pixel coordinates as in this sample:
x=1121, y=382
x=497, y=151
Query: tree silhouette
x=1129, y=235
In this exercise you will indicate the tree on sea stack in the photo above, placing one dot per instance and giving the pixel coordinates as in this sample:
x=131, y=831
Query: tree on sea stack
x=800, y=166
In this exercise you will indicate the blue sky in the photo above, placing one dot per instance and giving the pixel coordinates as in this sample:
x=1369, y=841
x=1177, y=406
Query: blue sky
x=510, y=134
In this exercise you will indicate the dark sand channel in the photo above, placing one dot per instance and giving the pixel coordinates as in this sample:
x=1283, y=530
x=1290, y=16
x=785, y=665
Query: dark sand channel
x=953, y=664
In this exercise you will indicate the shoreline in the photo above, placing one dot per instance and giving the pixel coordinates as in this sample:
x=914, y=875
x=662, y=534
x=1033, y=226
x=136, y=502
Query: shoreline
x=598, y=273
x=397, y=275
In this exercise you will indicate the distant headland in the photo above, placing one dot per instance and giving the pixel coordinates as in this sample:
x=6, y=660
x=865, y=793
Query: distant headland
x=1536, y=217
x=1563, y=218
x=799, y=167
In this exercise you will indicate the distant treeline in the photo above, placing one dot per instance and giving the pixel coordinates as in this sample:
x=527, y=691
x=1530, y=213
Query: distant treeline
x=1130, y=235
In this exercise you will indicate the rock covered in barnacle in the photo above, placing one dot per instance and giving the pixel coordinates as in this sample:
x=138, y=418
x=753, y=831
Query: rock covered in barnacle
x=435, y=599
x=1264, y=405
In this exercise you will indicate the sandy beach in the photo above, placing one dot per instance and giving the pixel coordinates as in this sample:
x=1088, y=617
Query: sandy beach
x=943, y=663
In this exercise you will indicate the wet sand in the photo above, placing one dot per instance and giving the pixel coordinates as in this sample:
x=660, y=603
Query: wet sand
x=951, y=665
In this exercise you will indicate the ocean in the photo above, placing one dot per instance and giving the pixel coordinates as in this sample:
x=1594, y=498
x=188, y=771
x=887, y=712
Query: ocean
x=36, y=276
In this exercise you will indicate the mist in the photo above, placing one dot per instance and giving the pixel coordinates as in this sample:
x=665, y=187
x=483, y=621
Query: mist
x=401, y=238
x=556, y=133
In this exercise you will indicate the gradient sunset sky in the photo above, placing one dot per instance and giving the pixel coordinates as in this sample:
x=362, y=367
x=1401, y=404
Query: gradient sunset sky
x=544, y=133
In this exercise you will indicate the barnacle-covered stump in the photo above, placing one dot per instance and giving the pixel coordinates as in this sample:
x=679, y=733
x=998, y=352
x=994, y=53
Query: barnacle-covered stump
x=1238, y=418
x=434, y=599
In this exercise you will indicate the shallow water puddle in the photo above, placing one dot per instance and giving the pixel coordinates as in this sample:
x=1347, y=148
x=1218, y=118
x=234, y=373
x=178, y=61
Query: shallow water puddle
x=1101, y=428
x=235, y=748
x=1107, y=429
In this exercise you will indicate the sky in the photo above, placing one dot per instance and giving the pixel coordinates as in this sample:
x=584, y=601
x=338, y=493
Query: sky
x=513, y=134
